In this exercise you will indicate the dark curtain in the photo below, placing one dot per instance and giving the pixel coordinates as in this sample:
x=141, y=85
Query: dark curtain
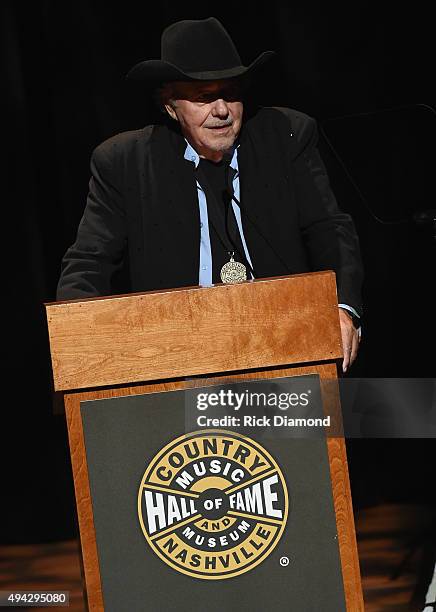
x=64, y=80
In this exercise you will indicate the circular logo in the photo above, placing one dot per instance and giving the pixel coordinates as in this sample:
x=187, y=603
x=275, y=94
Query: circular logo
x=213, y=504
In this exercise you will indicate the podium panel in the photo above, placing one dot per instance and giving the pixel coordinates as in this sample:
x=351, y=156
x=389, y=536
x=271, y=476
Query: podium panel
x=253, y=524
x=310, y=563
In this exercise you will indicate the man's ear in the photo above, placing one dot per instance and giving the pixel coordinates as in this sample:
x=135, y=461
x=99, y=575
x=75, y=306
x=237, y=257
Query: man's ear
x=170, y=110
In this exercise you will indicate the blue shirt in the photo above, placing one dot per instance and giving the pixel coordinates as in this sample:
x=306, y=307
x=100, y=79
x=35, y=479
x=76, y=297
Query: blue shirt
x=205, y=271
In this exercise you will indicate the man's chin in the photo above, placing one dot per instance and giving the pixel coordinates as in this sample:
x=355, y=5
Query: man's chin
x=221, y=144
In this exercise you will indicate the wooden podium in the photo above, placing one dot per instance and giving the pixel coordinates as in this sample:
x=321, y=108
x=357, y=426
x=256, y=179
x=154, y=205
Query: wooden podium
x=155, y=342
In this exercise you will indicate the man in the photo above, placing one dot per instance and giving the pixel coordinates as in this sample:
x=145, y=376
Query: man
x=212, y=195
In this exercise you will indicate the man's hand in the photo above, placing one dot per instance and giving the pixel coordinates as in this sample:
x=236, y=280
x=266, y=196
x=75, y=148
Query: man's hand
x=350, y=339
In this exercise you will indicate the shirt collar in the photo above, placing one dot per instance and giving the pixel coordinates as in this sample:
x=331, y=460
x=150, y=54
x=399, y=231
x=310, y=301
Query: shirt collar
x=192, y=155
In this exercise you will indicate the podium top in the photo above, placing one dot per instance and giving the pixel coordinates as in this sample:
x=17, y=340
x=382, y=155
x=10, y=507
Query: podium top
x=194, y=331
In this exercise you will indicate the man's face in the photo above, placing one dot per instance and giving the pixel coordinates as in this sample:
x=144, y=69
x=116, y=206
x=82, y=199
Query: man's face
x=209, y=113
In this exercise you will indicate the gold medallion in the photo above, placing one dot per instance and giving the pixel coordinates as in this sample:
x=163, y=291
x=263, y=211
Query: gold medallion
x=233, y=272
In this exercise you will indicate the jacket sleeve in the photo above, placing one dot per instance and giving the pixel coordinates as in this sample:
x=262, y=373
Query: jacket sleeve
x=90, y=263
x=328, y=233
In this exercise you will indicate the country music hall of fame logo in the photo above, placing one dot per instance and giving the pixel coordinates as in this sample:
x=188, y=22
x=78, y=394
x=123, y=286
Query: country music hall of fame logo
x=213, y=504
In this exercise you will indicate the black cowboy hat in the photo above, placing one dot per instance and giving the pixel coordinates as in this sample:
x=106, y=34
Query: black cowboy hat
x=196, y=50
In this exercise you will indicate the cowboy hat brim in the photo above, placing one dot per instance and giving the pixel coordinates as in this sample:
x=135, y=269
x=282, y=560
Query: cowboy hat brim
x=159, y=71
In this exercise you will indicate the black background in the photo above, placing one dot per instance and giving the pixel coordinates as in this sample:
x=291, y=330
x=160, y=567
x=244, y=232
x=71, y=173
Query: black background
x=64, y=82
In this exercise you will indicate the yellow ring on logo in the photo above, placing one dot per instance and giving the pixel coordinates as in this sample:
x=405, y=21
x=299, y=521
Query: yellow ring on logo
x=176, y=452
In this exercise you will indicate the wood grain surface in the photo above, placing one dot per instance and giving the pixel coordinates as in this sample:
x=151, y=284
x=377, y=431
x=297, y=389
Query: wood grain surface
x=84, y=504
x=187, y=332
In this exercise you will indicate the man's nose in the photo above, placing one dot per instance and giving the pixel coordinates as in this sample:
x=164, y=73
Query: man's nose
x=220, y=108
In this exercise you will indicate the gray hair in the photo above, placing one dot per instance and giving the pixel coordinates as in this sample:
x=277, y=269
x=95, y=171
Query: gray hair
x=162, y=95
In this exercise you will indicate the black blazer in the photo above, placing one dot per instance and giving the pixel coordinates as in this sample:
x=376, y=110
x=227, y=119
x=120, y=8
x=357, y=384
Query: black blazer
x=142, y=211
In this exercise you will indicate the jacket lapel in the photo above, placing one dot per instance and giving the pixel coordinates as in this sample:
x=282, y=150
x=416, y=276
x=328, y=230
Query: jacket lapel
x=258, y=194
x=173, y=209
